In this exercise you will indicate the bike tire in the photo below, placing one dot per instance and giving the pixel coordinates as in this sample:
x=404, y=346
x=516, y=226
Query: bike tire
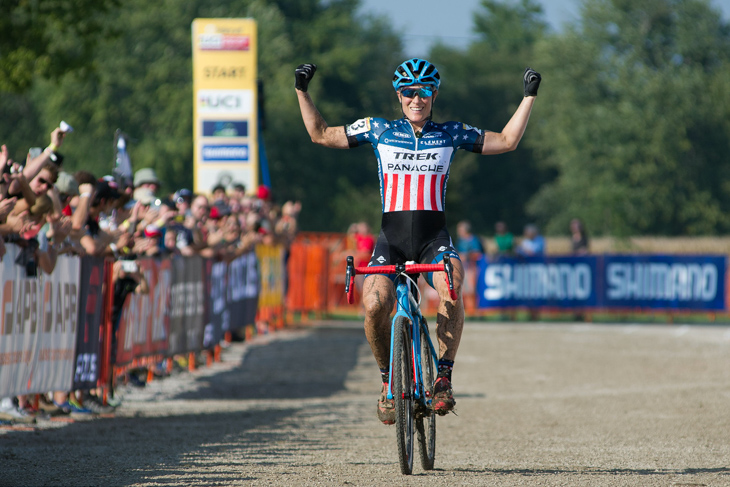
x=402, y=381
x=426, y=423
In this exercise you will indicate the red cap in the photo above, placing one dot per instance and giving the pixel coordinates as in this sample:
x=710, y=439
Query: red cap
x=151, y=231
x=264, y=192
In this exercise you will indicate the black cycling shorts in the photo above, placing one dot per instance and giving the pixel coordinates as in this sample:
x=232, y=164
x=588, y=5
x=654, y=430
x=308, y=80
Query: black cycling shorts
x=419, y=236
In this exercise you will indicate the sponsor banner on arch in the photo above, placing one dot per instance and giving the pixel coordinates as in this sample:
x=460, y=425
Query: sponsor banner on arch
x=678, y=282
x=564, y=282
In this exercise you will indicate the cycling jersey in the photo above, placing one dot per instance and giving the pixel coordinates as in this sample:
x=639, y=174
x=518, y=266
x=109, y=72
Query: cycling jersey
x=413, y=170
x=413, y=166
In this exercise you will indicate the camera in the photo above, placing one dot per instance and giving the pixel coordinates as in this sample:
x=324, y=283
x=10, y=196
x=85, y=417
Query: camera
x=129, y=266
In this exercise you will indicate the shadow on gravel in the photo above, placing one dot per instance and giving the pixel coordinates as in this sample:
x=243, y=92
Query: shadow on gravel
x=176, y=449
x=131, y=451
x=595, y=471
x=298, y=367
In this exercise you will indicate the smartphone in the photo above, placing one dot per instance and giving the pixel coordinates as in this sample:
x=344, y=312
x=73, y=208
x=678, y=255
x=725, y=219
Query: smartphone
x=35, y=152
x=65, y=127
x=129, y=266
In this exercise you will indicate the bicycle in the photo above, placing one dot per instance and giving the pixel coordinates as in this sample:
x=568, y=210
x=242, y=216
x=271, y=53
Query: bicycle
x=412, y=359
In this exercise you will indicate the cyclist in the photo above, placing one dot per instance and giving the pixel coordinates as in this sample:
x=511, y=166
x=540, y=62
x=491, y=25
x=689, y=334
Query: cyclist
x=414, y=157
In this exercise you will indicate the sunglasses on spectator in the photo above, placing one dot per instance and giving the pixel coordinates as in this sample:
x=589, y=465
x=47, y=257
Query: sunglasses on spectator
x=412, y=92
x=45, y=181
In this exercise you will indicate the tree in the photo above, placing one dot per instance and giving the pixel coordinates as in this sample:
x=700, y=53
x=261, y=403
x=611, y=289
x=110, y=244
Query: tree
x=636, y=120
x=483, y=86
x=48, y=39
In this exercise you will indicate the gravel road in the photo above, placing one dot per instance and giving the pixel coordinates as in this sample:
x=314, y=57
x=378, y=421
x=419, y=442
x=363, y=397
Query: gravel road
x=538, y=404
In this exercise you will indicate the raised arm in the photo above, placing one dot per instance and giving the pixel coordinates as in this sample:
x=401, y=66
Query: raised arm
x=317, y=127
x=511, y=134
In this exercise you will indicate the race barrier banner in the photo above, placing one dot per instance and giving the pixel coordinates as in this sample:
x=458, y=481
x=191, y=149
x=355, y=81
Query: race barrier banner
x=679, y=282
x=665, y=282
x=52, y=326
x=242, y=290
x=38, y=326
x=143, y=327
x=187, y=305
x=564, y=282
x=88, y=338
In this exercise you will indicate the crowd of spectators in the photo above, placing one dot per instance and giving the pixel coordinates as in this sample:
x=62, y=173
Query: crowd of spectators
x=48, y=212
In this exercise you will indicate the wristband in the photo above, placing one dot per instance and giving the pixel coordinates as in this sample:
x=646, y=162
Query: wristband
x=53, y=147
x=88, y=195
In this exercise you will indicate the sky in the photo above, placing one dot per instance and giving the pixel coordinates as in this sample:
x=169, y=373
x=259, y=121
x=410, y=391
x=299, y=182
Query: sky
x=450, y=20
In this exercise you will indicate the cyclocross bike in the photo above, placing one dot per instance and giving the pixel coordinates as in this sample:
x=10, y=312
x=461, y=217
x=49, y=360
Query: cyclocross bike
x=412, y=359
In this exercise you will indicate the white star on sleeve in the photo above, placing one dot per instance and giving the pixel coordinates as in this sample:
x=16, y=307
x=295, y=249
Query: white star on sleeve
x=456, y=126
x=376, y=124
x=464, y=136
x=367, y=135
x=387, y=125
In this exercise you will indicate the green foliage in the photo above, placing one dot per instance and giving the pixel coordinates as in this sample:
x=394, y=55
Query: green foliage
x=483, y=86
x=629, y=132
x=635, y=121
x=48, y=38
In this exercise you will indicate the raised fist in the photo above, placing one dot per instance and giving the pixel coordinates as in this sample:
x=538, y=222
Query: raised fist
x=531, y=80
x=304, y=74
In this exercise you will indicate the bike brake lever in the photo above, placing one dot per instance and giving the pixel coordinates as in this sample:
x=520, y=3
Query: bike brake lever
x=450, y=277
x=350, y=279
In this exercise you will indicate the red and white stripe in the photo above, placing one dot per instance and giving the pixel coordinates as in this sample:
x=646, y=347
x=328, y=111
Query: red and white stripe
x=416, y=191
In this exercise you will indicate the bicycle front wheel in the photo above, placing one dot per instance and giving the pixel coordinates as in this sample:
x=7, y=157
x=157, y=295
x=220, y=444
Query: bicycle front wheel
x=403, y=387
x=426, y=422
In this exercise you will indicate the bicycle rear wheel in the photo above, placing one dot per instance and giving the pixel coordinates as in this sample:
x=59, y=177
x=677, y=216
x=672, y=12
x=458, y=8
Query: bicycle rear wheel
x=426, y=421
x=402, y=381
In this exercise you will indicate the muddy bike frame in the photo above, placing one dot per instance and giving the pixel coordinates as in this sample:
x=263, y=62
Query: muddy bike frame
x=413, y=400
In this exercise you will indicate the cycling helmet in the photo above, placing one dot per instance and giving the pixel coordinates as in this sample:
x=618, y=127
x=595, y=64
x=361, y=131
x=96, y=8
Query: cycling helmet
x=416, y=72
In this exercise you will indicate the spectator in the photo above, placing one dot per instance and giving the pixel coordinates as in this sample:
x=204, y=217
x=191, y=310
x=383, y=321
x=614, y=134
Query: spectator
x=239, y=191
x=578, y=237
x=468, y=245
x=503, y=239
x=182, y=199
x=219, y=194
x=147, y=178
x=532, y=242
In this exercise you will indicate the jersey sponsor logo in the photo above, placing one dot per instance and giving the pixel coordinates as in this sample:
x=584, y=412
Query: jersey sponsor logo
x=437, y=143
x=402, y=135
x=380, y=259
x=359, y=127
x=415, y=167
x=416, y=156
x=395, y=141
x=442, y=248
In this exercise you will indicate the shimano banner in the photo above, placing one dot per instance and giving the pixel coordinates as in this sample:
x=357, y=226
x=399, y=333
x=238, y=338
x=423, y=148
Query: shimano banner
x=606, y=281
x=565, y=282
x=664, y=281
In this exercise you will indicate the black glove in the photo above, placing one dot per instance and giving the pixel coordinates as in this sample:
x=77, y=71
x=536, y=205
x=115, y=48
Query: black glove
x=304, y=74
x=531, y=80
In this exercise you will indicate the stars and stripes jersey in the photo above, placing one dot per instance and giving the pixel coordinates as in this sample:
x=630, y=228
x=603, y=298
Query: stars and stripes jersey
x=413, y=167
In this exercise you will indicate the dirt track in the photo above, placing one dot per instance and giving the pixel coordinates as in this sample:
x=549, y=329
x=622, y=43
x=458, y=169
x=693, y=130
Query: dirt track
x=548, y=405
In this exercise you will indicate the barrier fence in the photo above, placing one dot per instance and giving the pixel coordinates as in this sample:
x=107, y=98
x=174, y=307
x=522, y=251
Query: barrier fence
x=57, y=334
x=615, y=284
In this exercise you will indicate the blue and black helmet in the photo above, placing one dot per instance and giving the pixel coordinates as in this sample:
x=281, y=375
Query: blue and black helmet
x=416, y=72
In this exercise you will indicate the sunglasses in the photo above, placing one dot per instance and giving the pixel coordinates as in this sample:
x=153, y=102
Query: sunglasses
x=45, y=181
x=421, y=92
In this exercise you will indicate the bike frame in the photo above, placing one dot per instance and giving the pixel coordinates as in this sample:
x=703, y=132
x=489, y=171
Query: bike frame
x=408, y=307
